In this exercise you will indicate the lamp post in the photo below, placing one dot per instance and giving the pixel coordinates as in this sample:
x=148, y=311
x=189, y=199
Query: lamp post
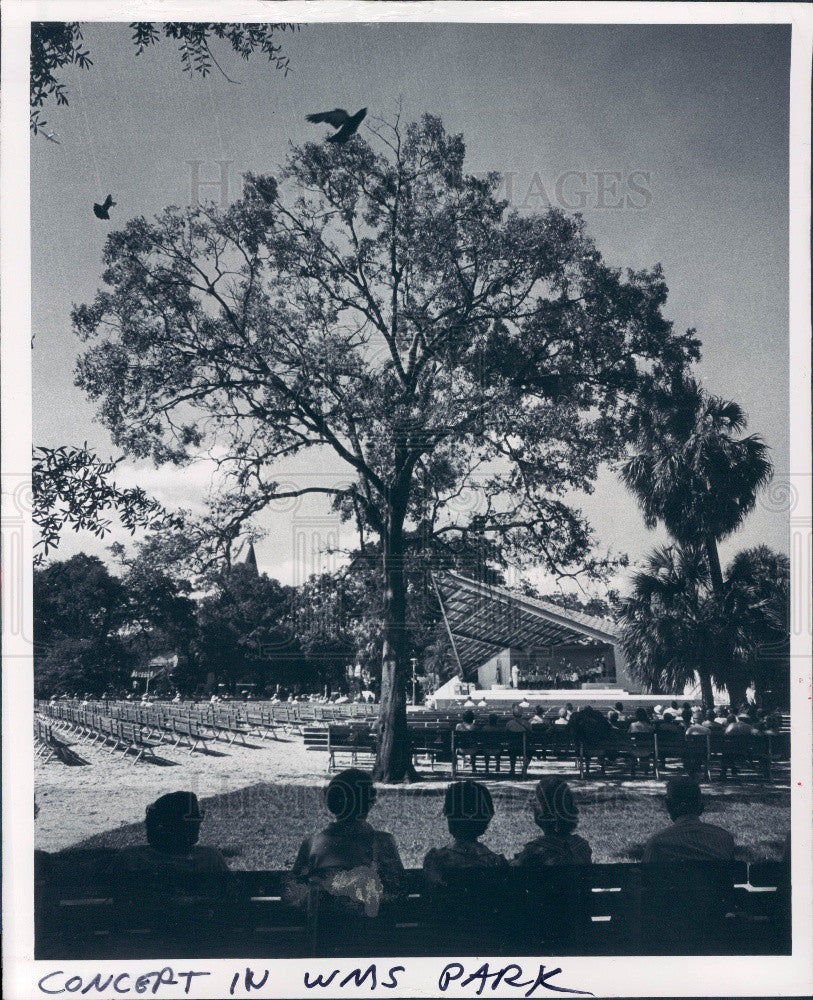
x=414, y=662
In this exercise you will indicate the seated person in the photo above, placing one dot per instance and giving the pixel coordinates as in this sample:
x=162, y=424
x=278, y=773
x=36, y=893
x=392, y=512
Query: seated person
x=465, y=889
x=557, y=905
x=671, y=711
x=740, y=725
x=173, y=826
x=466, y=723
x=686, y=713
x=670, y=726
x=518, y=725
x=561, y=717
x=594, y=732
x=687, y=839
x=697, y=726
x=695, y=757
x=468, y=808
x=711, y=722
x=640, y=727
x=722, y=716
x=737, y=745
x=641, y=723
x=352, y=867
x=538, y=718
x=619, y=708
x=687, y=877
x=670, y=729
x=172, y=885
x=557, y=816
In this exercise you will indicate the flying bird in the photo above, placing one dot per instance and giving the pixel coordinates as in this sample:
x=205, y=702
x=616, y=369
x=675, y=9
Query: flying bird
x=345, y=124
x=103, y=211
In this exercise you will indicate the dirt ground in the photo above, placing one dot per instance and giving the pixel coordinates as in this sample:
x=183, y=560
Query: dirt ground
x=79, y=800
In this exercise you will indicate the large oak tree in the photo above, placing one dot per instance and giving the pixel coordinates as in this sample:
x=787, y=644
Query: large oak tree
x=468, y=365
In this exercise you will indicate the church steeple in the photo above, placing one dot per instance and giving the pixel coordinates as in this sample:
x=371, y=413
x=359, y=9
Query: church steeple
x=251, y=559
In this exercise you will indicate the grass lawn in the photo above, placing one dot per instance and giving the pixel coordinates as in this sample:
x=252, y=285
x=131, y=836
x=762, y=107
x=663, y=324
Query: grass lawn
x=261, y=826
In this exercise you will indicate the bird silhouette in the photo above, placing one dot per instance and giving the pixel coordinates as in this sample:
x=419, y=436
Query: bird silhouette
x=345, y=124
x=103, y=211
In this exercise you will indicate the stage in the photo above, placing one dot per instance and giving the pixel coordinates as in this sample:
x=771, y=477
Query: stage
x=455, y=694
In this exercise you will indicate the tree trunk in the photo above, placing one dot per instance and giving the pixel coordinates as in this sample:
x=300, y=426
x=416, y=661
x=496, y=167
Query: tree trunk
x=727, y=668
x=715, y=572
x=394, y=758
x=737, y=693
x=706, y=690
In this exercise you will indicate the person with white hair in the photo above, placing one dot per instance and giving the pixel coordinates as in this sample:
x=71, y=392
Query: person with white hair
x=697, y=726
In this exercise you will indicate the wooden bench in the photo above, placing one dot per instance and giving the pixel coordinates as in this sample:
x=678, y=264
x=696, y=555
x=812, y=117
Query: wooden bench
x=46, y=746
x=86, y=909
x=351, y=744
x=431, y=743
x=189, y=734
x=488, y=744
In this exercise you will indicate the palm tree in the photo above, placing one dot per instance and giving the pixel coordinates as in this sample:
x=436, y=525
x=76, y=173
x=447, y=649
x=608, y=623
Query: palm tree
x=667, y=626
x=693, y=470
x=758, y=608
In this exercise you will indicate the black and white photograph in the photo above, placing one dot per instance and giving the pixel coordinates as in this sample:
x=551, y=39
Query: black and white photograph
x=406, y=499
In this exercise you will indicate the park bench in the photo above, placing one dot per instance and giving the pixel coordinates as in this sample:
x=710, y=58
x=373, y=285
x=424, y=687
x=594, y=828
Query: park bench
x=636, y=749
x=85, y=908
x=744, y=752
x=353, y=744
x=226, y=727
x=315, y=737
x=189, y=734
x=46, y=746
x=431, y=743
x=261, y=724
x=130, y=738
x=488, y=744
x=554, y=741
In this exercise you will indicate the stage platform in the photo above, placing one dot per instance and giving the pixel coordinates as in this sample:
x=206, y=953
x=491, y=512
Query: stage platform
x=503, y=698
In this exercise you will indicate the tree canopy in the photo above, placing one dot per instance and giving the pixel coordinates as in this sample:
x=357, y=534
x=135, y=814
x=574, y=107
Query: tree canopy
x=72, y=486
x=676, y=629
x=693, y=468
x=79, y=611
x=469, y=366
x=57, y=44
x=669, y=628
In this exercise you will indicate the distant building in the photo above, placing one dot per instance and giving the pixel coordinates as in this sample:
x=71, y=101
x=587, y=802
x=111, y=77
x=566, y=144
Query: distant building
x=250, y=561
x=157, y=667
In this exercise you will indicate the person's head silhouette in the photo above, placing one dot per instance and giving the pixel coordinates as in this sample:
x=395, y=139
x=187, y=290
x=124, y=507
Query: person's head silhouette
x=350, y=795
x=468, y=809
x=173, y=822
x=683, y=798
x=555, y=811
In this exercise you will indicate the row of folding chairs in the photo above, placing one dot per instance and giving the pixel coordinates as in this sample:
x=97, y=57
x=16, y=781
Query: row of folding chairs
x=95, y=729
x=215, y=726
x=46, y=746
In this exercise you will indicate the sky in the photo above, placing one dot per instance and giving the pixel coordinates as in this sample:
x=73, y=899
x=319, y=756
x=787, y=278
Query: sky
x=671, y=140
